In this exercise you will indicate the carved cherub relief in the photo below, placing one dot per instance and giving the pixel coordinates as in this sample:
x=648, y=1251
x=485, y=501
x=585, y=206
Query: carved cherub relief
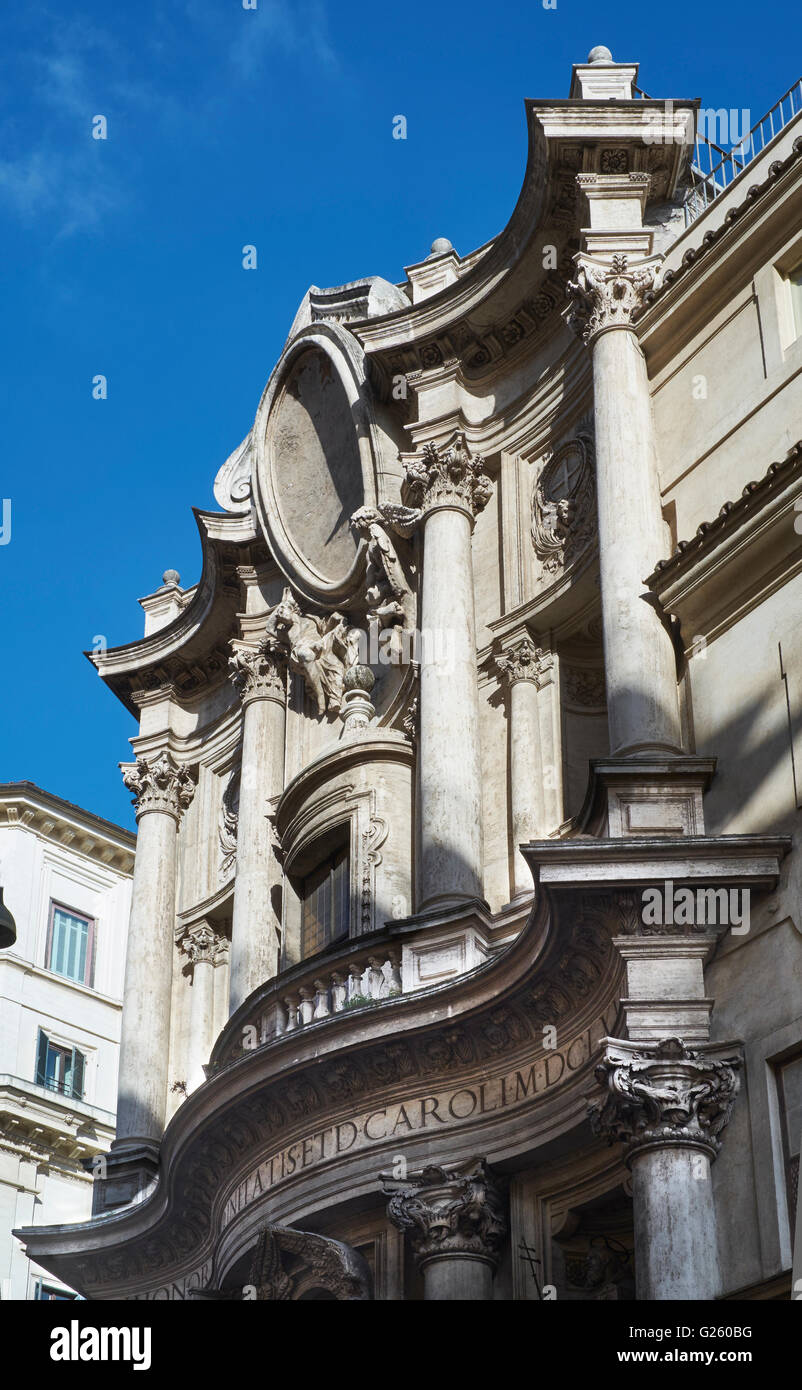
x=319, y=648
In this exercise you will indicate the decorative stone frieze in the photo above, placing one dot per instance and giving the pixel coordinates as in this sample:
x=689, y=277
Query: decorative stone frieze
x=610, y=295
x=665, y=1093
x=159, y=784
x=259, y=673
x=450, y=1211
x=447, y=477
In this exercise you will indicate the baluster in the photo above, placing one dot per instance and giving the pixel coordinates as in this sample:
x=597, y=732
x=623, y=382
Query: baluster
x=375, y=978
x=307, y=1008
x=291, y=1005
x=392, y=973
x=280, y=1019
x=339, y=992
x=355, y=973
x=321, y=1000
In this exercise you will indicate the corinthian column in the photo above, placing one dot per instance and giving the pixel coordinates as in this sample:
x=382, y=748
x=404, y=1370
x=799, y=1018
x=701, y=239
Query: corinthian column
x=203, y=948
x=519, y=668
x=669, y=1105
x=260, y=677
x=449, y=488
x=608, y=292
x=456, y=1221
x=162, y=791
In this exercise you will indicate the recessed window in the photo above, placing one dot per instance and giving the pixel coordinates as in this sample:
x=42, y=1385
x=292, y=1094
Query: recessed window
x=51, y=1293
x=795, y=286
x=59, y=1067
x=70, y=944
x=325, y=904
x=789, y=1089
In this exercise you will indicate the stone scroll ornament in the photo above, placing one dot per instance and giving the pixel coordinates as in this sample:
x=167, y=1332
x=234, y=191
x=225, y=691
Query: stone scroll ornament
x=563, y=503
x=449, y=1211
x=665, y=1093
x=159, y=784
x=610, y=294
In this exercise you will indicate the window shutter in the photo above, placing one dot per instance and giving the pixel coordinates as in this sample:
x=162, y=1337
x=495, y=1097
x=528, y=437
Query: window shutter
x=78, y=1061
x=41, y=1060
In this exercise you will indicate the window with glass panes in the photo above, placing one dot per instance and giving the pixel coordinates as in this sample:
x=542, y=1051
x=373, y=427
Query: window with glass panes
x=325, y=904
x=60, y=1067
x=70, y=944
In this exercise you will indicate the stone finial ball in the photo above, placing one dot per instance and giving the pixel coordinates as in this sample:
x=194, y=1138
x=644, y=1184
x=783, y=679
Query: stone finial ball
x=359, y=677
x=171, y=577
x=440, y=245
x=600, y=54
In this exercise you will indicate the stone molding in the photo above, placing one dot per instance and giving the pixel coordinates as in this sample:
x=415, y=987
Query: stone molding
x=665, y=1093
x=610, y=295
x=450, y=1212
x=159, y=784
x=259, y=673
x=446, y=476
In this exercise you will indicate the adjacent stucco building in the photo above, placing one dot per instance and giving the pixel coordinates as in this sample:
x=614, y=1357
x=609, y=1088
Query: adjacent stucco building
x=66, y=875
x=465, y=954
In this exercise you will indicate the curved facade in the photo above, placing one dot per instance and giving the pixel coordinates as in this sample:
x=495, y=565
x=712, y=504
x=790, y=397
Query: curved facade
x=464, y=958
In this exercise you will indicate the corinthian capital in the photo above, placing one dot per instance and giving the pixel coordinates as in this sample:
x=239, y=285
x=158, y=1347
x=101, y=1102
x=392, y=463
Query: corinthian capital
x=203, y=945
x=523, y=662
x=258, y=673
x=449, y=1211
x=159, y=784
x=610, y=294
x=447, y=477
x=664, y=1093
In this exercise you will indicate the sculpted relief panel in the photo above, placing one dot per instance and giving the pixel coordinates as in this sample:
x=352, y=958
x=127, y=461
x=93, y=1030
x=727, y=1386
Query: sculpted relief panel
x=564, y=506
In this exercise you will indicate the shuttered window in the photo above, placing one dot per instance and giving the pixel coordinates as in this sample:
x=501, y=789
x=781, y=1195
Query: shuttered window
x=60, y=1068
x=325, y=904
x=70, y=945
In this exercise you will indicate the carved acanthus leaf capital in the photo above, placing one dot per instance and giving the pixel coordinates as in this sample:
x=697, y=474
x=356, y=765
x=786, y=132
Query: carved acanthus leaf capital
x=610, y=294
x=159, y=784
x=203, y=945
x=665, y=1093
x=522, y=662
x=259, y=672
x=449, y=1211
x=447, y=477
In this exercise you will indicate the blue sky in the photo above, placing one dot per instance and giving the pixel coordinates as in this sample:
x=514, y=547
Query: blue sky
x=123, y=257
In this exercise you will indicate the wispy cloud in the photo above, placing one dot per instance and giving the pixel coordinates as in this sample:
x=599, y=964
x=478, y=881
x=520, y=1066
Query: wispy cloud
x=294, y=29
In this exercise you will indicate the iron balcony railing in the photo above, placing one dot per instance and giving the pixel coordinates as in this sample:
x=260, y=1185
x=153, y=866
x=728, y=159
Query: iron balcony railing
x=713, y=169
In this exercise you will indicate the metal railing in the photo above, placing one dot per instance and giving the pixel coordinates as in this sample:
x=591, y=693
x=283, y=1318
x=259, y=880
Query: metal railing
x=713, y=169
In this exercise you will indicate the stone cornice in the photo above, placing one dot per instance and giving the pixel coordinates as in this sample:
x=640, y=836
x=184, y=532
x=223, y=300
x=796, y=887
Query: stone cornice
x=26, y=806
x=748, y=549
x=190, y=652
x=455, y=1034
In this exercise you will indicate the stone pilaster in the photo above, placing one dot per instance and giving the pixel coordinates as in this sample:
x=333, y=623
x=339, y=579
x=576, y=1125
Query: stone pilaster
x=670, y=1104
x=448, y=487
x=519, y=667
x=204, y=948
x=162, y=791
x=456, y=1221
x=259, y=675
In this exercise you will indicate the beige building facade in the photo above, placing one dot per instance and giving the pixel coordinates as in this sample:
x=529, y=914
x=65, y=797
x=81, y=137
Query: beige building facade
x=464, y=955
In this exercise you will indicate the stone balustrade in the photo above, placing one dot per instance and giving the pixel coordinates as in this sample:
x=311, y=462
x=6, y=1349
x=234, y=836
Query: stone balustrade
x=361, y=980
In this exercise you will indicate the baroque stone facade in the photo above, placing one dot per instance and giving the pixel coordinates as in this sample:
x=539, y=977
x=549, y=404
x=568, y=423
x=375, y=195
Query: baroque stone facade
x=484, y=849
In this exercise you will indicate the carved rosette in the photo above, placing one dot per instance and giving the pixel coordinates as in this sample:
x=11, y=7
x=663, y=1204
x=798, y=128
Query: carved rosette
x=665, y=1093
x=520, y=663
x=259, y=673
x=449, y=1212
x=610, y=295
x=447, y=477
x=159, y=784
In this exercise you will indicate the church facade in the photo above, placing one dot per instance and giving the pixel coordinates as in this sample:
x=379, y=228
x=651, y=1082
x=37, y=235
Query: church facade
x=464, y=957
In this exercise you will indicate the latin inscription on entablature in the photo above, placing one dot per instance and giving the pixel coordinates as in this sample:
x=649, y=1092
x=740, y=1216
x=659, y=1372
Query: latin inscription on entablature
x=437, y=1113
